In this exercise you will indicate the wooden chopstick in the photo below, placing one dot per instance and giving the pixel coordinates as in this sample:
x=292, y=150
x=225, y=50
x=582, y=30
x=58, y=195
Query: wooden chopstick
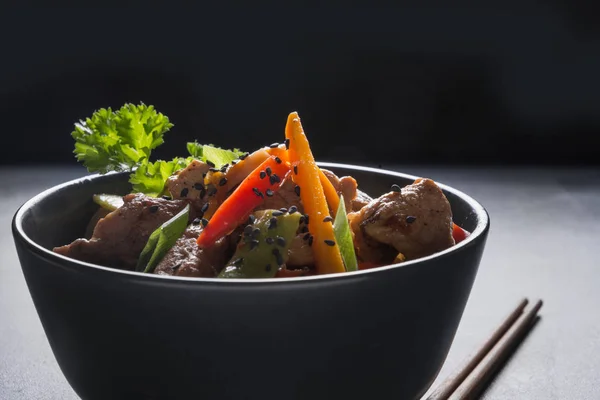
x=477, y=380
x=473, y=374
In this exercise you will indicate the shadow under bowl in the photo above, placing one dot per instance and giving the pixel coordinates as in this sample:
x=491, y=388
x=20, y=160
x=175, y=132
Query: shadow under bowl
x=381, y=333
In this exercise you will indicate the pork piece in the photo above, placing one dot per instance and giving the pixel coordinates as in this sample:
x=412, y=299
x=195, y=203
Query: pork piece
x=285, y=197
x=185, y=258
x=361, y=200
x=300, y=254
x=415, y=222
x=118, y=238
x=188, y=183
x=346, y=186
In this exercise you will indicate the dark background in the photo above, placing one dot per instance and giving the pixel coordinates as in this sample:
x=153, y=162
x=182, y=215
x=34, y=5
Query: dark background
x=498, y=82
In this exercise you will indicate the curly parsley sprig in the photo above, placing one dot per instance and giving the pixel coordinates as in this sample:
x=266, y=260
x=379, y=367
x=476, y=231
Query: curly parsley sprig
x=123, y=140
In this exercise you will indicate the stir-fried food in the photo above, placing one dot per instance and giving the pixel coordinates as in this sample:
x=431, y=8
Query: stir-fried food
x=272, y=213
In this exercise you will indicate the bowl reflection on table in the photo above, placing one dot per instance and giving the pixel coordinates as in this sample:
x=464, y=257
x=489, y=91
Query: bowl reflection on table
x=381, y=333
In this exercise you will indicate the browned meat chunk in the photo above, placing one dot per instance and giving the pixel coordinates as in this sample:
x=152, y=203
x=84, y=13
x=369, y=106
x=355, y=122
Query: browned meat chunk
x=185, y=258
x=188, y=183
x=346, y=186
x=285, y=197
x=361, y=200
x=300, y=254
x=415, y=222
x=119, y=238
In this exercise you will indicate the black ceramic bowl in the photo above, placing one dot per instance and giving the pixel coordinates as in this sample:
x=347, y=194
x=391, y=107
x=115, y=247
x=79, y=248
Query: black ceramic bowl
x=375, y=334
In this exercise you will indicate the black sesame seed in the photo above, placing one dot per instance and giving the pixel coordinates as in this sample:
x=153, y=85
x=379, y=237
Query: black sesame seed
x=196, y=221
x=277, y=213
x=268, y=267
x=243, y=156
x=283, y=209
x=257, y=192
x=273, y=145
x=277, y=255
x=166, y=197
x=204, y=222
x=395, y=188
x=247, y=230
x=251, y=218
x=153, y=209
x=329, y=242
x=213, y=170
x=306, y=236
x=274, y=179
x=301, y=220
x=234, y=162
x=273, y=223
x=269, y=240
x=176, y=267
x=293, y=209
x=210, y=163
x=296, y=169
x=184, y=192
x=204, y=207
x=204, y=175
x=268, y=170
x=280, y=241
x=277, y=160
x=253, y=244
x=262, y=174
x=198, y=186
x=304, y=229
x=287, y=144
x=212, y=190
x=306, y=219
x=410, y=219
x=223, y=181
x=327, y=219
x=269, y=192
x=310, y=240
x=224, y=167
x=255, y=233
x=297, y=190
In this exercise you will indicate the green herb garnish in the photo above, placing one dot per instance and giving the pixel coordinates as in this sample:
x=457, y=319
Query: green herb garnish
x=123, y=140
x=150, y=178
x=216, y=155
x=119, y=140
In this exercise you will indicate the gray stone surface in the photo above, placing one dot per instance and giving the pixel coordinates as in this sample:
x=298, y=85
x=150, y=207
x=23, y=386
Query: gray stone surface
x=545, y=225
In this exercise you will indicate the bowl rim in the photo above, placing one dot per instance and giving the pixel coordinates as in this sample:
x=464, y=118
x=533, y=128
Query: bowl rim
x=55, y=258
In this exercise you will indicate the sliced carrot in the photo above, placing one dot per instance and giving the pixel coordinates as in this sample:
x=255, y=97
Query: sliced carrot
x=327, y=253
x=333, y=199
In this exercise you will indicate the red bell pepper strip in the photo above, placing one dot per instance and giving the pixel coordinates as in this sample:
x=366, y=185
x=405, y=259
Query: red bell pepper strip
x=458, y=233
x=248, y=195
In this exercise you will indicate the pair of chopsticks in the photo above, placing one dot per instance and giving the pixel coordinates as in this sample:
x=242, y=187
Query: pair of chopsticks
x=472, y=376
